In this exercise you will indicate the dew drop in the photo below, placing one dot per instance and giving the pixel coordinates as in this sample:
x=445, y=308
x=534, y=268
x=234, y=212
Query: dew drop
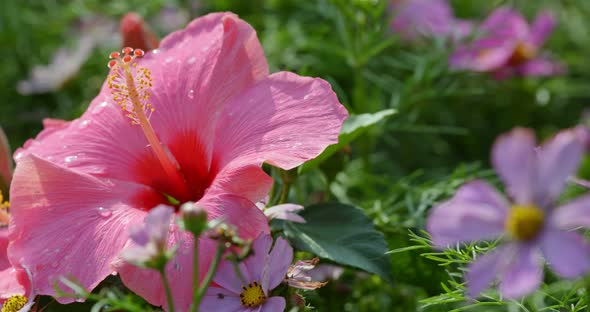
x=18, y=156
x=191, y=60
x=70, y=159
x=307, y=97
x=104, y=212
x=100, y=107
x=155, y=51
x=191, y=94
x=84, y=123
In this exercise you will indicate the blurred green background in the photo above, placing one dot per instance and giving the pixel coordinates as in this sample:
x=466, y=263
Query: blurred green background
x=440, y=136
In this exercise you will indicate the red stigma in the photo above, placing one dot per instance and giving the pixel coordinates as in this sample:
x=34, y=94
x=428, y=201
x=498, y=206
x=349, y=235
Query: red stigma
x=114, y=55
x=127, y=50
x=138, y=52
x=112, y=63
x=127, y=58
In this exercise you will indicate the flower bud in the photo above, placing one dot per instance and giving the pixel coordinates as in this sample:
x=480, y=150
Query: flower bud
x=194, y=218
x=136, y=33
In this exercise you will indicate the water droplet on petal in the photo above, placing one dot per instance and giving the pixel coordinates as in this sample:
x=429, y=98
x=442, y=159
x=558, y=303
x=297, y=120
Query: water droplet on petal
x=100, y=107
x=18, y=156
x=155, y=51
x=191, y=94
x=104, y=212
x=191, y=60
x=84, y=123
x=70, y=159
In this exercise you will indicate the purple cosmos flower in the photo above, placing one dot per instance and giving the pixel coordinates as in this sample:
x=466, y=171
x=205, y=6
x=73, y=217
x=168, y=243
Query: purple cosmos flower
x=531, y=226
x=260, y=273
x=426, y=18
x=509, y=46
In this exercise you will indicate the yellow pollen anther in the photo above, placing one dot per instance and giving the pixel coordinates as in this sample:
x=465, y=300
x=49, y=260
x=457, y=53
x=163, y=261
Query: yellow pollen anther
x=4, y=206
x=130, y=86
x=524, y=222
x=253, y=295
x=14, y=303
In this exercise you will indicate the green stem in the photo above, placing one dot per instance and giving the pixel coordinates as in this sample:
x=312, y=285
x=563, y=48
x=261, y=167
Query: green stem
x=168, y=290
x=210, y=274
x=196, y=299
x=284, y=192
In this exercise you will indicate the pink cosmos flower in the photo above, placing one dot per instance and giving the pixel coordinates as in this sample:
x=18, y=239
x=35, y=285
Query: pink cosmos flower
x=531, y=225
x=259, y=274
x=219, y=114
x=150, y=238
x=14, y=282
x=509, y=46
x=299, y=275
x=413, y=19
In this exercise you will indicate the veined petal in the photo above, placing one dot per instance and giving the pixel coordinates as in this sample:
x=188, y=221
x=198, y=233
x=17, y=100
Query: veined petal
x=274, y=304
x=542, y=27
x=49, y=206
x=523, y=274
x=566, y=252
x=256, y=263
x=284, y=121
x=506, y=22
x=557, y=160
x=573, y=214
x=514, y=159
x=477, y=212
x=485, y=269
x=541, y=67
x=280, y=259
x=218, y=299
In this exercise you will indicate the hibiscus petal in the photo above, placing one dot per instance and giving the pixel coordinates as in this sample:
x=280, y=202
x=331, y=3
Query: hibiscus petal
x=217, y=299
x=477, y=212
x=484, y=270
x=514, y=159
x=274, y=304
x=523, y=274
x=250, y=182
x=4, y=263
x=284, y=121
x=280, y=259
x=567, y=253
x=92, y=231
x=542, y=27
x=573, y=214
x=557, y=160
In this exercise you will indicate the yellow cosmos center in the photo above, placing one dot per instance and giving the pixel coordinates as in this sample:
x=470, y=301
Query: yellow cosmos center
x=253, y=295
x=14, y=303
x=525, y=222
x=522, y=53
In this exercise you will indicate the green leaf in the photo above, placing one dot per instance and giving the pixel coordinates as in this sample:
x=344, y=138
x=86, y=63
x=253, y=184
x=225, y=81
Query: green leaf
x=353, y=127
x=341, y=233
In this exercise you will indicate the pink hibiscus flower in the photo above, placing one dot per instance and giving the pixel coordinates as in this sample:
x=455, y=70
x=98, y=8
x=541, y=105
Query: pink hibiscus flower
x=508, y=45
x=219, y=114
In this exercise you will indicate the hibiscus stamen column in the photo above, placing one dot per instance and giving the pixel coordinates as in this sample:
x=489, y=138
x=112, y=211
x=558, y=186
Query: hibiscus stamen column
x=132, y=93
